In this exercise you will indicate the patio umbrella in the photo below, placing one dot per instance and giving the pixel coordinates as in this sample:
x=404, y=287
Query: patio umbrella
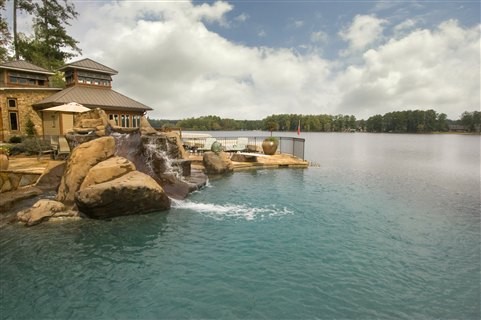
x=68, y=107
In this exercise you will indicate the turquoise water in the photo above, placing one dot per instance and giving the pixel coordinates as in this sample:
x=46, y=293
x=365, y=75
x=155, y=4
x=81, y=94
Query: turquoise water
x=387, y=227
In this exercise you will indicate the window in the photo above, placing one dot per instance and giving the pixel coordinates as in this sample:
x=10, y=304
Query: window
x=12, y=103
x=136, y=121
x=116, y=119
x=13, y=121
x=30, y=79
x=98, y=79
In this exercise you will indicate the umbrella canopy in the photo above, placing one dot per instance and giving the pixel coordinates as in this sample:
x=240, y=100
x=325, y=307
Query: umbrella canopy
x=69, y=107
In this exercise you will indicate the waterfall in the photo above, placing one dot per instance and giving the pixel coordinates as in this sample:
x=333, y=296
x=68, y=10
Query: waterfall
x=155, y=156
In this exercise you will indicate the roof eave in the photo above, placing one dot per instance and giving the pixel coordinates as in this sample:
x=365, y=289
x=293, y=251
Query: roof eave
x=88, y=69
x=28, y=70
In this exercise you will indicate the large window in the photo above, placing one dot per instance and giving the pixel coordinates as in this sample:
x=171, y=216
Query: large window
x=30, y=79
x=114, y=118
x=125, y=120
x=136, y=121
x=97, y=79
x=13, y=120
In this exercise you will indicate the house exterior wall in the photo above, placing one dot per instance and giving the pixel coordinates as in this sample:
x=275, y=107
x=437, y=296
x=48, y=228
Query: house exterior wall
x=23, y=110
x=51, y=123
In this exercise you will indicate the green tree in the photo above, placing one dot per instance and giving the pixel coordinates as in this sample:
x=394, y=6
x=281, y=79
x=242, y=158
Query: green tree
x=26, y=6
x=441, y=122
x=4, y=33
x=471, y=121
x=50, y=45
x=30, y=128
x=374, y=123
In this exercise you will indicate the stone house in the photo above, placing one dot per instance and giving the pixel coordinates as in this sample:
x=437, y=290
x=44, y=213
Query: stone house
x=21, y=85
x=87, y=82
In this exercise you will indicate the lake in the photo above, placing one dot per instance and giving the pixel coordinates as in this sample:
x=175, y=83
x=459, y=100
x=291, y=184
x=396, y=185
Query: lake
x=383, y=226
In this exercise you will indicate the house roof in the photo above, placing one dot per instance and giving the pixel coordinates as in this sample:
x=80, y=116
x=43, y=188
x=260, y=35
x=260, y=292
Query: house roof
x=90, y=65
x=21, y=65
x=92, y=97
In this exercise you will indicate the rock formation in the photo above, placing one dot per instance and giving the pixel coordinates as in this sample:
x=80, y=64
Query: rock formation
x=113, y=171
x=132, y=193
x=81, y=160
x=44, y=210
x=217, y=163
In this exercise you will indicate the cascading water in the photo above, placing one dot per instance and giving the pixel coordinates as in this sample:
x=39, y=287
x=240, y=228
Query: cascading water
x=155, y=156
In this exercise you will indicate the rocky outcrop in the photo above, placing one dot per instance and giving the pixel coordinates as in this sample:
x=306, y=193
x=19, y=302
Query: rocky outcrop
x=146, y=128
x=44, y=210
x=132, y=193
x=50, y=179
x=107, y=170
x=114, y=171
x=217, y=163
x=81, y=160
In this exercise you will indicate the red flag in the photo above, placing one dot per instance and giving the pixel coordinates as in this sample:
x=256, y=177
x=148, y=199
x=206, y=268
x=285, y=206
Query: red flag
x=299, y=128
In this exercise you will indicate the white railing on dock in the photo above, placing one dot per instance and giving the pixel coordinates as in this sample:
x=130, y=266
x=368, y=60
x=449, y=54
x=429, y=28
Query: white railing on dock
x=287, y=145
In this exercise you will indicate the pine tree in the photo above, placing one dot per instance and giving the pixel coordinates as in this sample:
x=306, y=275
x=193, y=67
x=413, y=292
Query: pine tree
x=4, y=33
x=50, y=41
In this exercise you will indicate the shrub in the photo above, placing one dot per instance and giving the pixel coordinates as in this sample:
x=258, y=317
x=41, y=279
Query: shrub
x=32, y=145
x=30, y=128
x=15, y=139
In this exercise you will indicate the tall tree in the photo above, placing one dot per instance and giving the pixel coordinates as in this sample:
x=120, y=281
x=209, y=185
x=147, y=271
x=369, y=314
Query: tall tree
x=19, y=6
x=50, y=44
x=4, y=33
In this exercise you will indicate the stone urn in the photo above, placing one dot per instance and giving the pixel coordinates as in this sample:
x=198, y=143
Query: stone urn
x=269, y=145
x=3, y=160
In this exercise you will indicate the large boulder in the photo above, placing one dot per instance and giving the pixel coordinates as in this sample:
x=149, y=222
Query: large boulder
x=132, y=193
x=50, y=179
x=217, y=163
x=107, y=170
x=145, y=127
x=81, y=160
x=45, y=209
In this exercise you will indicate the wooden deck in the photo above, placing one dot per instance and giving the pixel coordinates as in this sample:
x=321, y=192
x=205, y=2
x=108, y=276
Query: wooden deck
x=260, y=161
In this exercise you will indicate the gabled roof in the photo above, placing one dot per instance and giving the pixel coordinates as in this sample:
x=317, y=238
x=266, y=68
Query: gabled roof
x=20, y=65
x=90, y=65
x=92, y=97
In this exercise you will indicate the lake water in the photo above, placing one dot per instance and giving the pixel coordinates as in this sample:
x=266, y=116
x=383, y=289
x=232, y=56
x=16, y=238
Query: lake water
x=387, y=226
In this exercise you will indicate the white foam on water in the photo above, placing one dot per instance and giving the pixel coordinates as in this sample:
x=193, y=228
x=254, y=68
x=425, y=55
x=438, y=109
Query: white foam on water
x=236, y=211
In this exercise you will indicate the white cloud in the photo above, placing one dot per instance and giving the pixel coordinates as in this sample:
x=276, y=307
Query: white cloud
x=319, y=37
x=298, y=23
x=363, y=31
x=426, y=69
x=181, y=69
x=243, y=17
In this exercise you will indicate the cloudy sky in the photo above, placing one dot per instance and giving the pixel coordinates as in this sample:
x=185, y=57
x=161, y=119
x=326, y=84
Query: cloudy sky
x=250, y=59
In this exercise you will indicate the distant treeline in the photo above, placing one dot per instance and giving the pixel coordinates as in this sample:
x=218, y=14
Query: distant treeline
x=410, y=121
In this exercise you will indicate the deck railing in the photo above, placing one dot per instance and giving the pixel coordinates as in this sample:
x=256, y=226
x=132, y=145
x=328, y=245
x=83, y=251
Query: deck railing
x=287, y=145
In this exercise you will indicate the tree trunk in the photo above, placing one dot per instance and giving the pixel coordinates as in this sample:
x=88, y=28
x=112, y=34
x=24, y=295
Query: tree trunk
x=15, y=36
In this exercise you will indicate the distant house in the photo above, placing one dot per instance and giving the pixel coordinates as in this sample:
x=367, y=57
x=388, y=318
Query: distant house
x=21, y=85
x=456, y=128
x=90, y=84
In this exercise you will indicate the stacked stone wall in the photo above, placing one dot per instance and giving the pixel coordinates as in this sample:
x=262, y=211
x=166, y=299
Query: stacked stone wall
x=25, y=99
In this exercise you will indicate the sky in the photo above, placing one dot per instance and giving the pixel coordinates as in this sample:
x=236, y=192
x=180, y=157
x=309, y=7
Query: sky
x=249, y=59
